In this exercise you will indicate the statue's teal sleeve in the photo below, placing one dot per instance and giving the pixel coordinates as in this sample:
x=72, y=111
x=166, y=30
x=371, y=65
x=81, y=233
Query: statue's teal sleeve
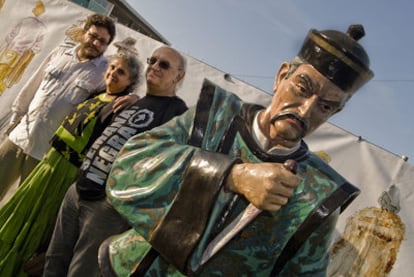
x=151, y=168
x=148, y=171
x=312, y=258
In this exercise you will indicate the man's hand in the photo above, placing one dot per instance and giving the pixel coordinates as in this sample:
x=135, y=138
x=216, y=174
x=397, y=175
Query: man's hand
x=267, y=186
x=124, y=102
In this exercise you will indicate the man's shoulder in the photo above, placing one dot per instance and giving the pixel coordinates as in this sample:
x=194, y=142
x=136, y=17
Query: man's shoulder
x=179, y=102
x=159, y=99
x=64, y=48
x=67, y=45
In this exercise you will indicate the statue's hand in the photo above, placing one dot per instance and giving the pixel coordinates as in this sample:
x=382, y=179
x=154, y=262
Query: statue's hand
x=267, y=186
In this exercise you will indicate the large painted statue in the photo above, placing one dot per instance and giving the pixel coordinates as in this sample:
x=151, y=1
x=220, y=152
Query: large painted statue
x=181, y=184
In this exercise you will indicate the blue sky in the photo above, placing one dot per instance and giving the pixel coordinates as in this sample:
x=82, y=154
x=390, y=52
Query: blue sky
x=250, y=39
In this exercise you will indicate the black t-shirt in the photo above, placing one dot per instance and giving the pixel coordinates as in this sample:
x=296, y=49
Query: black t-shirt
x=147, y=113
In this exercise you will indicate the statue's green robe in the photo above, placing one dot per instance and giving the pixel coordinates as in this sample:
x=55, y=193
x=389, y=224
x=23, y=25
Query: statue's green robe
x=168, y=182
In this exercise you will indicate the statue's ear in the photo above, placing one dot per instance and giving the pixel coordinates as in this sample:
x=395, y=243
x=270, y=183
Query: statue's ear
x=281, y=74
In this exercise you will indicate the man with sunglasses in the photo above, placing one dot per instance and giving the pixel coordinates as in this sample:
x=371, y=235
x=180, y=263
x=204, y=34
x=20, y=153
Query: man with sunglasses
x=230, y=188
x=73, y=250
x=69, y=74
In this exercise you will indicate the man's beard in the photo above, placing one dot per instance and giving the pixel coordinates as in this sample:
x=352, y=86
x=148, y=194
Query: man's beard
x=89, y=51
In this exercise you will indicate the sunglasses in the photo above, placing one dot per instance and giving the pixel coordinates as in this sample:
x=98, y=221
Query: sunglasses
x=162, y=64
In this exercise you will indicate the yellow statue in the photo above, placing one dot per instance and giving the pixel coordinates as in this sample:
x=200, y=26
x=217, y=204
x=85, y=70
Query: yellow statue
x=20, y=46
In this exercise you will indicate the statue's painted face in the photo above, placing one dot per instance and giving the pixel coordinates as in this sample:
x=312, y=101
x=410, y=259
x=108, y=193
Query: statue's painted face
x=302, y=101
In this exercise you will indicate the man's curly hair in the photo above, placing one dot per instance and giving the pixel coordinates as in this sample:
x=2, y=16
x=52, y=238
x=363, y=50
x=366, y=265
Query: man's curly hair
x=101, y=20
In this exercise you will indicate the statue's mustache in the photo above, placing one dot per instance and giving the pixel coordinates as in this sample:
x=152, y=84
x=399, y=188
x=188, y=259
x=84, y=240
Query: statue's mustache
x=290, y=115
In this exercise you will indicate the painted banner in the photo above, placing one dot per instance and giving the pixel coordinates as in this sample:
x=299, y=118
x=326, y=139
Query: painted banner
x=28, y=35
x=373, y=170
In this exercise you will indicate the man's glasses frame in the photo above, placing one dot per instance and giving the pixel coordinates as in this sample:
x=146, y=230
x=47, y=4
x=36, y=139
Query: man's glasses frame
x=161, y=63
x=94, y=37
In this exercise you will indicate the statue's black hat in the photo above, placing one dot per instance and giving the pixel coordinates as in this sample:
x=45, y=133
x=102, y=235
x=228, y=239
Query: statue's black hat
x=338, y=56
